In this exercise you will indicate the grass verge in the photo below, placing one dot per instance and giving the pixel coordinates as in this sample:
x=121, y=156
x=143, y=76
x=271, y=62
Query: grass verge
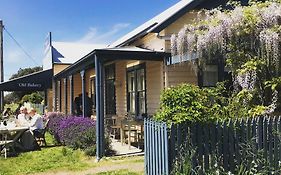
x=58, y=159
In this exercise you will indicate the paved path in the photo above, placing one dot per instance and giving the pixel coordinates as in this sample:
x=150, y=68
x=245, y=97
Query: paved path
x=124, y=149
x=132, y=167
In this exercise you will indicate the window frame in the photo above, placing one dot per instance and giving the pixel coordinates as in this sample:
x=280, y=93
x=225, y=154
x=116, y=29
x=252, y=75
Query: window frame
x=220, y=71
x=93, y=91
x=106, y=80
x=135, y=69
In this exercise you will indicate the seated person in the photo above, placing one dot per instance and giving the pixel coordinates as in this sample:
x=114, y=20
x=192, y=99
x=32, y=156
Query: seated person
x=36, y=122
x=23, y=118
x=6, y=113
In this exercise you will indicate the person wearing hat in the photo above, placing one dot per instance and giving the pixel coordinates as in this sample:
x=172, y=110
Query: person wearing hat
x=23, y=117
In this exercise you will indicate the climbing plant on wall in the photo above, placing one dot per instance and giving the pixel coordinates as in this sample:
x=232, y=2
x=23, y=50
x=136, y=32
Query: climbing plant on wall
x=248, y=40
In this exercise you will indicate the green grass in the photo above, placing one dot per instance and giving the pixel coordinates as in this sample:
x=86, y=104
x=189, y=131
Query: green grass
x=57, y=158
x=62, y=159
x=50, y=139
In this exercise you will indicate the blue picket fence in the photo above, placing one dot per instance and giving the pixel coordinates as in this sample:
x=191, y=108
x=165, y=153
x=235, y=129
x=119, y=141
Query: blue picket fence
x=156, y=147
x=224, y=140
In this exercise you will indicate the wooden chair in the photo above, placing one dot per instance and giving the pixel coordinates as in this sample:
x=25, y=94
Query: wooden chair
x=116, y=126
x=130, y=132
x=4, y=142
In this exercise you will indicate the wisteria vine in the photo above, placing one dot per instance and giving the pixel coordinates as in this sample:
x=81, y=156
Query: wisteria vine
x=251, y=33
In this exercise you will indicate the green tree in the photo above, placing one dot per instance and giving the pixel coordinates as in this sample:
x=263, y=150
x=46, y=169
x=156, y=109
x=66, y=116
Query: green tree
x=25, y=71
x=34, y=98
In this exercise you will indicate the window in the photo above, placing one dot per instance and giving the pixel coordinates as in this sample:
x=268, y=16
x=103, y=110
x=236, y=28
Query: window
x=210, y=75
x=213, y=72
x=93, y=91
x=110, y=102
x=136, y=90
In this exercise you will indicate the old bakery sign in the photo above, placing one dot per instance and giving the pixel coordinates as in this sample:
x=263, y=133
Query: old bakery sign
x=30, y=85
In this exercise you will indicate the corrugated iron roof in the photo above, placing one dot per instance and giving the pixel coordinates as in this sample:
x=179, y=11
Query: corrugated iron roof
x=159, y=22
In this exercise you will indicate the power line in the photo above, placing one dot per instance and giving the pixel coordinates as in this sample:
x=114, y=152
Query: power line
x=19, y=45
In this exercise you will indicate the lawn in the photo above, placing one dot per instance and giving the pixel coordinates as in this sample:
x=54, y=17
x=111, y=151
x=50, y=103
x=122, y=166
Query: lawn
x=59, y=159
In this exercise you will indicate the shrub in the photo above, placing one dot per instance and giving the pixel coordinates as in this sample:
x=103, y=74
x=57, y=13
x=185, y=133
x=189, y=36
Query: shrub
x=190, y=103
x=90, y=151
x=183, y=164
x=75, y=132
x=13, y=107
x=187, y=102
x=53, y=124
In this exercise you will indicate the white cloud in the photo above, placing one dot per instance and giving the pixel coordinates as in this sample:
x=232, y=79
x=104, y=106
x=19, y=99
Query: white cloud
x=97, y=37
x=89, y=37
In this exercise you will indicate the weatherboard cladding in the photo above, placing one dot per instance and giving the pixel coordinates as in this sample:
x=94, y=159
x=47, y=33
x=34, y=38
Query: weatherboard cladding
x=154, y=85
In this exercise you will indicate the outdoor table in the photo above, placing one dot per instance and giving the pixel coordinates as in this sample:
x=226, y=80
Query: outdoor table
x=126, y=125
x=15, y=133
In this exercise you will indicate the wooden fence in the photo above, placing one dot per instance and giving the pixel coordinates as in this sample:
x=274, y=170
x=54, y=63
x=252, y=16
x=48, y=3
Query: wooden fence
x=226, y=144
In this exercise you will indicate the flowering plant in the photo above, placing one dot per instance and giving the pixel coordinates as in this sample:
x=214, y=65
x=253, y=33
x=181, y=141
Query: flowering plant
x=53, y=125
x=77, y=132
x=247, y=39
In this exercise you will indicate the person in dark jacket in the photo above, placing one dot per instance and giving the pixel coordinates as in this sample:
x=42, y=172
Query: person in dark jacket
x=78, y=105
x=88, y=106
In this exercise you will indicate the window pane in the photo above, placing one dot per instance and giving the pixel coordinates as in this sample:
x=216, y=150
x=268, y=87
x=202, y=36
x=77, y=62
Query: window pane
x=131, y=81
x=110, y=97
x=136, y=91
x=210, y=75
x=132, y=103
x=93, y=94
x=110, y=104
x=140, y=80
x=141, y=106
x=109, y=72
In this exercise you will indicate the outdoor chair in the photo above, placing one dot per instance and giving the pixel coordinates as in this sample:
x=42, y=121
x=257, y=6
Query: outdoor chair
x=140, y=139
x=116, y=126
x=39, y=135
x=4, y=142
x=131, y=132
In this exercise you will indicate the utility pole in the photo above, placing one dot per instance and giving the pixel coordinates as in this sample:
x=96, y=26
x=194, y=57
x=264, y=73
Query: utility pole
x=1, y=65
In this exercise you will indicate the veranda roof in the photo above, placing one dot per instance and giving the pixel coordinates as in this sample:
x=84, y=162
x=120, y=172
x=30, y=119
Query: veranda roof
x=112, y=54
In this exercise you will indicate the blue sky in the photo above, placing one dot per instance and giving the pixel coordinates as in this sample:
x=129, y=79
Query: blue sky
x=90, y=21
